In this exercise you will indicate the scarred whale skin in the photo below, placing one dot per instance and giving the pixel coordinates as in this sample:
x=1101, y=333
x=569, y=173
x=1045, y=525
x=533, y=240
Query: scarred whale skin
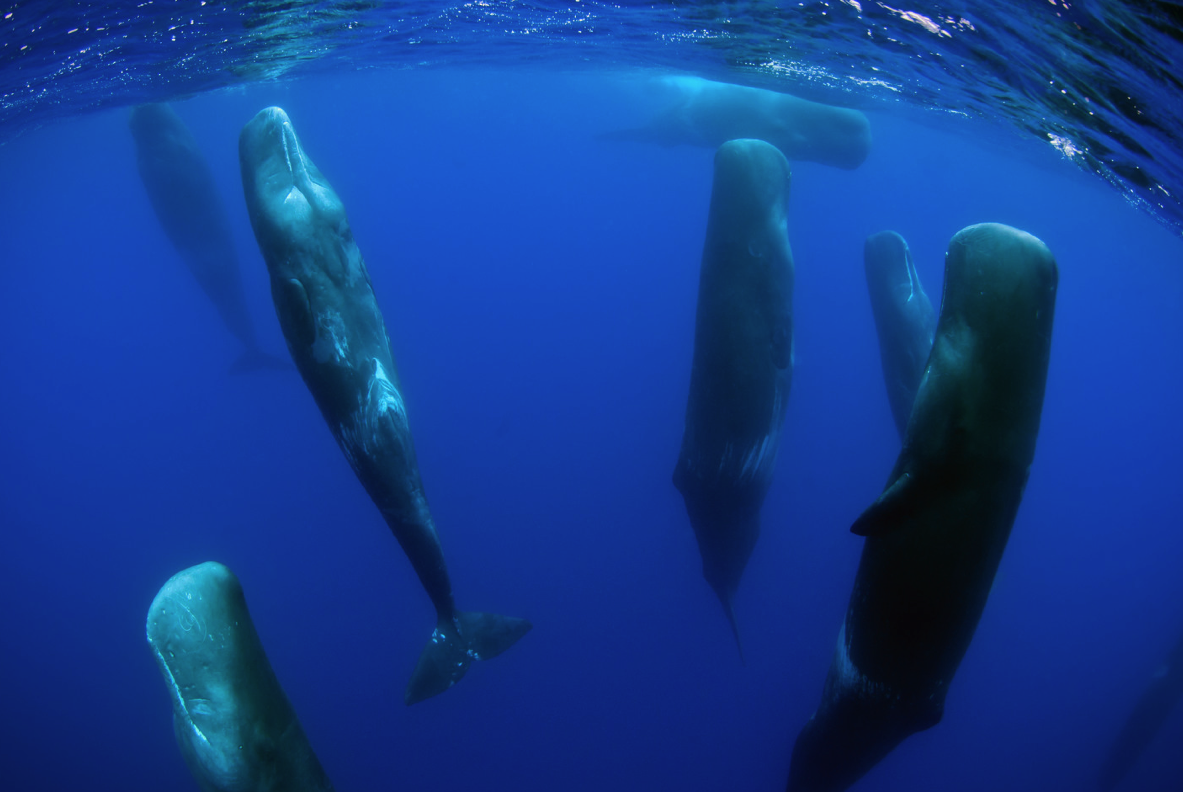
x=234, y=724
x=904, y=319
x=936, y=535
x=338, y=341
x=702, y=112
x=181, y=190
x=742, y=366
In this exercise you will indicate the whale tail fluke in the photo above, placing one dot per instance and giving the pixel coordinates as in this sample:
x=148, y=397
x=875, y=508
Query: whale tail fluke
x=453, y=647
x=489, y=634
x=258, y=360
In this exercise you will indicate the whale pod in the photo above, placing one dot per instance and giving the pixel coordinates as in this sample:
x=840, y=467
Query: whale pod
x=337, y=338
x=936, y=534
x=742, y=365
x=234, y=724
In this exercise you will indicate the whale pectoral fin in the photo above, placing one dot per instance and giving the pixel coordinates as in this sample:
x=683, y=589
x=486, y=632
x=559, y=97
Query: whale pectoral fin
x=295, y=312
x=886, y=512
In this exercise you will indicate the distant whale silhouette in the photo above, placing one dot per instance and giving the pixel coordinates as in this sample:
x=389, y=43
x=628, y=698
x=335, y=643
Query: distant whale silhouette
x=742, y=368
x=234, y=724
x=936, y=534
x=706, y=113
x=337, y=338
x=1155, y=704
x=182, y=192
x=904, y=319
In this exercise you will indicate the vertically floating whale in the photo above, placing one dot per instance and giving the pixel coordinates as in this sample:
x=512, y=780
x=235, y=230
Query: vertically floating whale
x=742, y=367
x=182, y=192
x=234, y=725
x=706, y=113
x=1160, y=697
x=904, y=319
x=936, y=535
x=337, y=338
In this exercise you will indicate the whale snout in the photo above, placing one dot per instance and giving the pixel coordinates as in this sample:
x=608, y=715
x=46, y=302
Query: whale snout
x=270, y=153
x=284, y=190
x=180, y=615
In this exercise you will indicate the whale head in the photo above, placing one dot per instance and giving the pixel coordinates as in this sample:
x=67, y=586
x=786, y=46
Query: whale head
x=197, y=626
x=298, y=219
x=888, y=264
x=233, y=722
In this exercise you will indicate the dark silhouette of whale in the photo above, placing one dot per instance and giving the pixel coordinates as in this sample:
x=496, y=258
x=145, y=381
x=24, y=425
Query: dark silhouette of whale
x=742, y=367
x=337, y=338
x=182, y=192
x=1160, y=697
x=937, y=533
x=904, y=319
x=234, y=724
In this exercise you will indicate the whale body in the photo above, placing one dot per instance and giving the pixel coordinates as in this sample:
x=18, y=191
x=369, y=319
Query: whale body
x=700, y=112
x=742, y=365
x=936, y=534
x=183, y=195
x=337, y=338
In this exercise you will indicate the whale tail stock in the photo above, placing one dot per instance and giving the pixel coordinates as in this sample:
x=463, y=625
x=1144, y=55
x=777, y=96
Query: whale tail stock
x=454, y=644
x=730, y=610
x=258, y=360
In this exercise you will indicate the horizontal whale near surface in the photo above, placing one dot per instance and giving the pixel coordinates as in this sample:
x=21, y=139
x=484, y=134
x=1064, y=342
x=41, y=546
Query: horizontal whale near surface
x=699, y=112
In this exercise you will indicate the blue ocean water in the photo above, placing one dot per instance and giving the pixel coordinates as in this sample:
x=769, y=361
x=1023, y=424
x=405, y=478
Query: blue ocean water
x=539, y=288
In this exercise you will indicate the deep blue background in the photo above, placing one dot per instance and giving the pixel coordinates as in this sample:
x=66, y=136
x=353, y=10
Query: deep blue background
x=539, y=289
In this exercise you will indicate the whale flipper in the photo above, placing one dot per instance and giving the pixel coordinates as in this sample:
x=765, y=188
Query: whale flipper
x=895, y=502
x=454, y=644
